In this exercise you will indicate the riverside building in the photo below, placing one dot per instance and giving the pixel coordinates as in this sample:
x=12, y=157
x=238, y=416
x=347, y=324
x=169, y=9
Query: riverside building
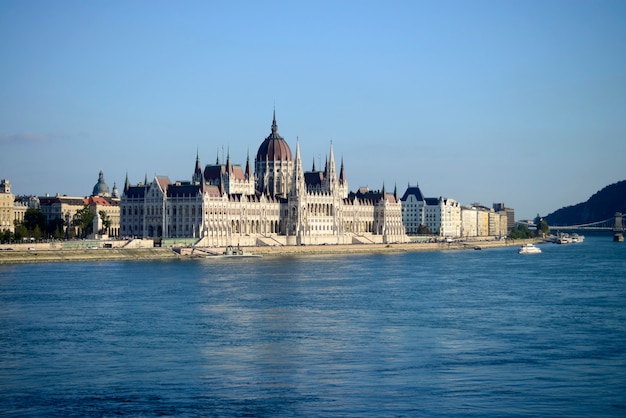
x=445, y=217
x=6, y=206
x=278, y=204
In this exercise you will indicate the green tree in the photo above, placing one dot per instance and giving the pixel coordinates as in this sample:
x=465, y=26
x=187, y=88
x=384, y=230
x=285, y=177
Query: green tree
x=20, y=232
x=55, y=226
x=106, y=221
x=35, y=218
x=37, y=233
x=423, y=230
x=521, y=232
x=6, y=236
x=84, y=221
x=543, y=227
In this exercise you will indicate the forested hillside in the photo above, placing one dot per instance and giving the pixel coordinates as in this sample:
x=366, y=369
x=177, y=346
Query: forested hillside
x=600, y=206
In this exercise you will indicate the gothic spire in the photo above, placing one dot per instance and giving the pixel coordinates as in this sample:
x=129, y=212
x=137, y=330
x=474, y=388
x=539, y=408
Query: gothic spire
x=297, y=183
x=197, y=172
x=342, y=174
x=248, y=166
x=332, y=168
x=229, y=167
x=274, y=126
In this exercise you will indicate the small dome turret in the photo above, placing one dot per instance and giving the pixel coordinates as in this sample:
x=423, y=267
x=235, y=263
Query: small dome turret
x=101, y=188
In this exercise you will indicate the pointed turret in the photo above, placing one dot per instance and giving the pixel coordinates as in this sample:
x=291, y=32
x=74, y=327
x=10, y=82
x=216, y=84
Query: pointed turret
x=145, y=181
x=313, y=169
x=197, y=172
x=331, y=170
x=126, y=184
x=297, y=183
x=217, y=160
x=274, y=125
x=229, y=166
x=248, y=167
x=222, y=188
x=342, y=174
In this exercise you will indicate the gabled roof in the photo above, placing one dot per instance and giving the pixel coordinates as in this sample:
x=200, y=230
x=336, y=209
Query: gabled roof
x=67, y=200
x=135, y=192
x=212, y=190
x=97, y=200
x=313, y=178
x=238, y=172
x=213, y=172
x=163, y=183
x=179, y=190
x=412, y=191
x=373, y=196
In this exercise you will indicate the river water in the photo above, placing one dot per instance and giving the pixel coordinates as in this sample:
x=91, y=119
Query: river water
x=455, y=333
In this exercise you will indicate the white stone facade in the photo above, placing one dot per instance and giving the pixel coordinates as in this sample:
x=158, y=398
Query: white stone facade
x=280, y=204
x=480, y=221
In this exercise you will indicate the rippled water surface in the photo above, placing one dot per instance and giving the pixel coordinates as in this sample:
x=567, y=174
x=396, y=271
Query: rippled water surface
x=471, y=333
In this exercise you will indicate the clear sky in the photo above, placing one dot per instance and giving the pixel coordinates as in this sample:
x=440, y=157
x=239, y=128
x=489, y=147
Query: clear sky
x=521, y=102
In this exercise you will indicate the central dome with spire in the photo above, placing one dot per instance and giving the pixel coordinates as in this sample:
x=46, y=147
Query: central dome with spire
x=274, y=147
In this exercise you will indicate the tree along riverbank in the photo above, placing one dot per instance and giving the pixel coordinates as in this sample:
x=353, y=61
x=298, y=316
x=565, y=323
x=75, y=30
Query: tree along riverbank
x=17, y=256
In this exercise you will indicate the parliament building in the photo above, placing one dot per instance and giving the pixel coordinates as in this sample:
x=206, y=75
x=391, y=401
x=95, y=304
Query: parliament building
x=279, y=203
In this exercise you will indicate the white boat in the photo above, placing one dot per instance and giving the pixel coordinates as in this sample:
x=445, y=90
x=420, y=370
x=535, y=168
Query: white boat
x=563, y=238
x=529, y=249
x=575, y=238
x=232, y=252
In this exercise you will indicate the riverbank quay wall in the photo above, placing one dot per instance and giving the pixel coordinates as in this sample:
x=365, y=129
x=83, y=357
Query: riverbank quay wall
x=49, y=255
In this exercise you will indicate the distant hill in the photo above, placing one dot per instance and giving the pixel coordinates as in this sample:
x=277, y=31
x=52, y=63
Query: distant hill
x=599, y=207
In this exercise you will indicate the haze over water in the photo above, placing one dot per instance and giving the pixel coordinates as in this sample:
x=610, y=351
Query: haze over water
x=469, y=333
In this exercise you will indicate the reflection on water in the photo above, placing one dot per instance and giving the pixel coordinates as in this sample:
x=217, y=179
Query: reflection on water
x=486, y=333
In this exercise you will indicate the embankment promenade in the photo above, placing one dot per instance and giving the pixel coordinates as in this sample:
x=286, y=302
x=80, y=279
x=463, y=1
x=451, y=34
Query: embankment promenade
x=19, y=254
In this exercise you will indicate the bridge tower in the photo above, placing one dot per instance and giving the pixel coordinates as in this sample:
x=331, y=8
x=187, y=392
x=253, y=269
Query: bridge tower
x=618, y=229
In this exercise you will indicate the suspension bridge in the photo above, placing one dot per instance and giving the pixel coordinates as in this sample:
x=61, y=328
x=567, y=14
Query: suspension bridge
x=617, y=224
x=605, y=225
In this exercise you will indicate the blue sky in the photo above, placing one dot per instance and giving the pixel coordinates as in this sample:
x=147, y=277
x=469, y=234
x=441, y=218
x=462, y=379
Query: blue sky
x=521, y=102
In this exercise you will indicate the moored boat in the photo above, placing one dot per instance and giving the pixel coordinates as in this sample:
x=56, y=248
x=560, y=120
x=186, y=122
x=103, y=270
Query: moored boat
x=232, y=252
x=563, y=238
x=576, y=238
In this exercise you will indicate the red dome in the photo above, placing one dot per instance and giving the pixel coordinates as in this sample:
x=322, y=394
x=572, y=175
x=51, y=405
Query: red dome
x=274, y=147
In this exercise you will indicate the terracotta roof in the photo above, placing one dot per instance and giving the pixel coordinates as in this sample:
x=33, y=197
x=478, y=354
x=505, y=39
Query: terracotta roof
x=163, y=182
x=212, y=191
x=96, y=200
x=238, y=172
